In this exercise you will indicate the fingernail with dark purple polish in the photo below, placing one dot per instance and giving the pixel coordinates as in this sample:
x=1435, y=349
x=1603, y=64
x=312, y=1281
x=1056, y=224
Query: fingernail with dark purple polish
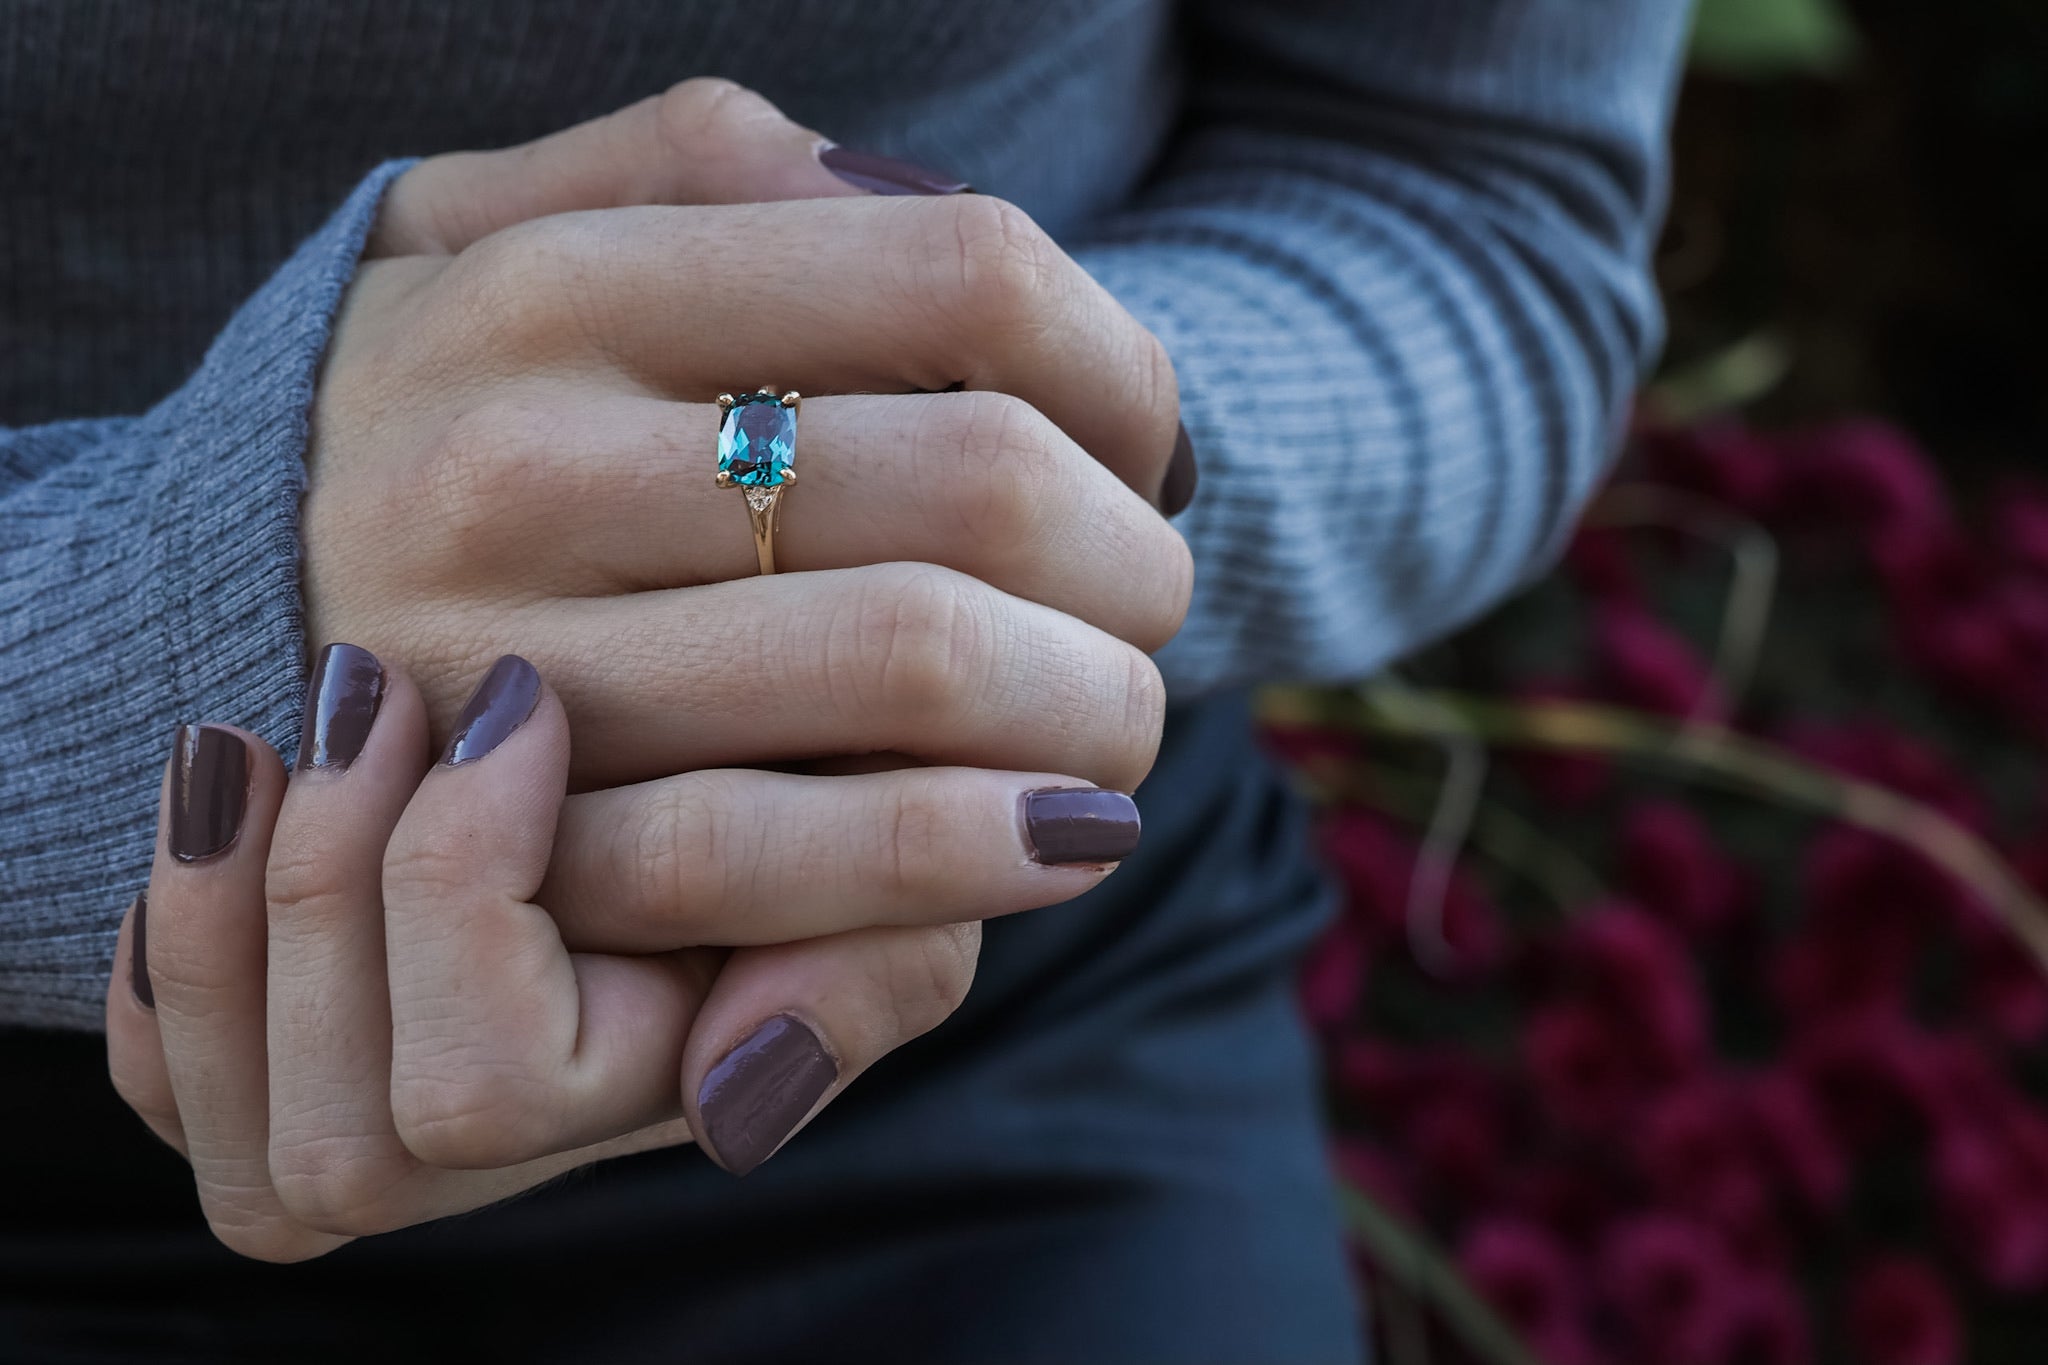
x=761, y=1091
x=500, y=705
x=209, y=791
x=138, y=954
x=1080, y=825
x=341, y=706
x=1181, y=477
x=887, y=175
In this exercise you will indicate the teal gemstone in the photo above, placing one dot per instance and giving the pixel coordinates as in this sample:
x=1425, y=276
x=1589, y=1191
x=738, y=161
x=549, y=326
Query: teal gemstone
x=757, y=441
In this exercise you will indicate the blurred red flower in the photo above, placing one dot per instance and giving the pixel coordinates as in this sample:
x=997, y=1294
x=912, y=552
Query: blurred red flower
x=1793, y=1142
x=1377, y=865
x=1862, y=474
x=1671, y=866
x=1673, y=1288
x=1531, y=1280
x=1653, y=1137
x=1901, y=1313
x=1333, y=977
x=1584, y=1078
x=1724, y=461
x=1457, y=1144
x=1992, y=1210
x=1640, y=977
x=1574, y=1196
x=1768, y=1325
x=2004, y=986
x=1698, y=1155
x=1647, y=664
x=1860, y=1072
x=2020, y=518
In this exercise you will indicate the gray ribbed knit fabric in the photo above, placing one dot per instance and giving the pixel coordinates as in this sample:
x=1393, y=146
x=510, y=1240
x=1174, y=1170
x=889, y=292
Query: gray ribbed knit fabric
x=1396, y=248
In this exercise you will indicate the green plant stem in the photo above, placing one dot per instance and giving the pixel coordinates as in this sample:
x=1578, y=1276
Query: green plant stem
x=1499, y=835
x=1413, y=1262
x=1735, y=762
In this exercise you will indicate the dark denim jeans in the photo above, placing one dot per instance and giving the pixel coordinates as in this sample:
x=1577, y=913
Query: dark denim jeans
x=1110, y=1154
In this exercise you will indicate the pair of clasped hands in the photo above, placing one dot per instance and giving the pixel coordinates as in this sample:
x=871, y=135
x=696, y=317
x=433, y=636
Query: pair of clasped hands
x=393, y=986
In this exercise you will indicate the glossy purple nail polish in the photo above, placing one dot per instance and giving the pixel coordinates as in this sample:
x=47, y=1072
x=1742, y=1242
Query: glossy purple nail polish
x=887, y=175
x=138, y=955
x=1181, y=477
x=501, y=703
x=1080, y=825
x=209, y=791
x=342, y=699
x=757, y=1095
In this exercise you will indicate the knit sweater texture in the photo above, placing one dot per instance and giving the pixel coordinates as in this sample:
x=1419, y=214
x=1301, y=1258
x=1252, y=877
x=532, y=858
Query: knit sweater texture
x=1396, y=249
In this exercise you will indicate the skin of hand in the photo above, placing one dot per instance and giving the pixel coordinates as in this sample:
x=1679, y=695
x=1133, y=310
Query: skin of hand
x=499, y=462
x=341, y=1001
x=513, y=443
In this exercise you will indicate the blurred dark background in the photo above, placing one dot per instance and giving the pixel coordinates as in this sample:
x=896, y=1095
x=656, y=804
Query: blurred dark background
x=1867, y=184
x=1690, y=1001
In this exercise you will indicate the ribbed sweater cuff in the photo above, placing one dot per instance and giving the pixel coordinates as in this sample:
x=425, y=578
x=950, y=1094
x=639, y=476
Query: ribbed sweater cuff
x=226, y=528
x=182, y=588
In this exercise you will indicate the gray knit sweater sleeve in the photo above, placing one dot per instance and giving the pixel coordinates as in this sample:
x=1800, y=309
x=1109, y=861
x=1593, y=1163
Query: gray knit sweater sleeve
x=148, y=575
x=1399, y=255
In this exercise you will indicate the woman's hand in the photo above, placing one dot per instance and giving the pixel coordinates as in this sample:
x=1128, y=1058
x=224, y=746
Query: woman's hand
x=514, y=450
x=341, y=1002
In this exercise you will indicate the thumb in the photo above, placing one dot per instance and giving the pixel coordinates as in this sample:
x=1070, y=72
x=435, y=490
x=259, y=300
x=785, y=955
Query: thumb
x=704, y=141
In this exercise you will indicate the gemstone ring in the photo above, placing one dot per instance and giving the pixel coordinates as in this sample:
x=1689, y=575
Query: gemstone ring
x=756, y=448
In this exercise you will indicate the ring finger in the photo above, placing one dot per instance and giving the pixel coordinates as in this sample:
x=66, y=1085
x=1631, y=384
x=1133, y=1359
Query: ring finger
x=979, y=482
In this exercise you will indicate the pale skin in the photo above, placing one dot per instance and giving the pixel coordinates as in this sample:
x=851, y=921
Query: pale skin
x=511, y=454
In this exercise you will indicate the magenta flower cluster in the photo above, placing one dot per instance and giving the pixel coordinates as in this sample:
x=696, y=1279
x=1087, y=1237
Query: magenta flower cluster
x=1775, y=1094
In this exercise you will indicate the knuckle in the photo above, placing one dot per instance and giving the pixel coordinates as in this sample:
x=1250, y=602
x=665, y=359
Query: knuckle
x=706, y=110
x=1005, y=499
x=928, y=975
x=304, y=881
x=329, y=1185
x=466, y=1112
x=490, y=462
x=1155, y=387
x=421, y=873
x=246, y=1229
x=921, y=627
x=188, y=966
x=1168, y=608
x=1144, y=720
x=526, y=286
x=1008, y=269
x=920, y=830
x=696, y=847
x=142, y=1088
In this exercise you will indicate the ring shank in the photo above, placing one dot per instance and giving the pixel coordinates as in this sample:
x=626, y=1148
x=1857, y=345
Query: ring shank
x=765, y=512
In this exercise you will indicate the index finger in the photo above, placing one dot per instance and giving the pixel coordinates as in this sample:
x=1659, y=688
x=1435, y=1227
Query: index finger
x=506, y=1047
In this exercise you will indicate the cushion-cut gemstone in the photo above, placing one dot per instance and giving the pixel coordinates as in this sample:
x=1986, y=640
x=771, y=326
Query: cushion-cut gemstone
x=757, y=441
